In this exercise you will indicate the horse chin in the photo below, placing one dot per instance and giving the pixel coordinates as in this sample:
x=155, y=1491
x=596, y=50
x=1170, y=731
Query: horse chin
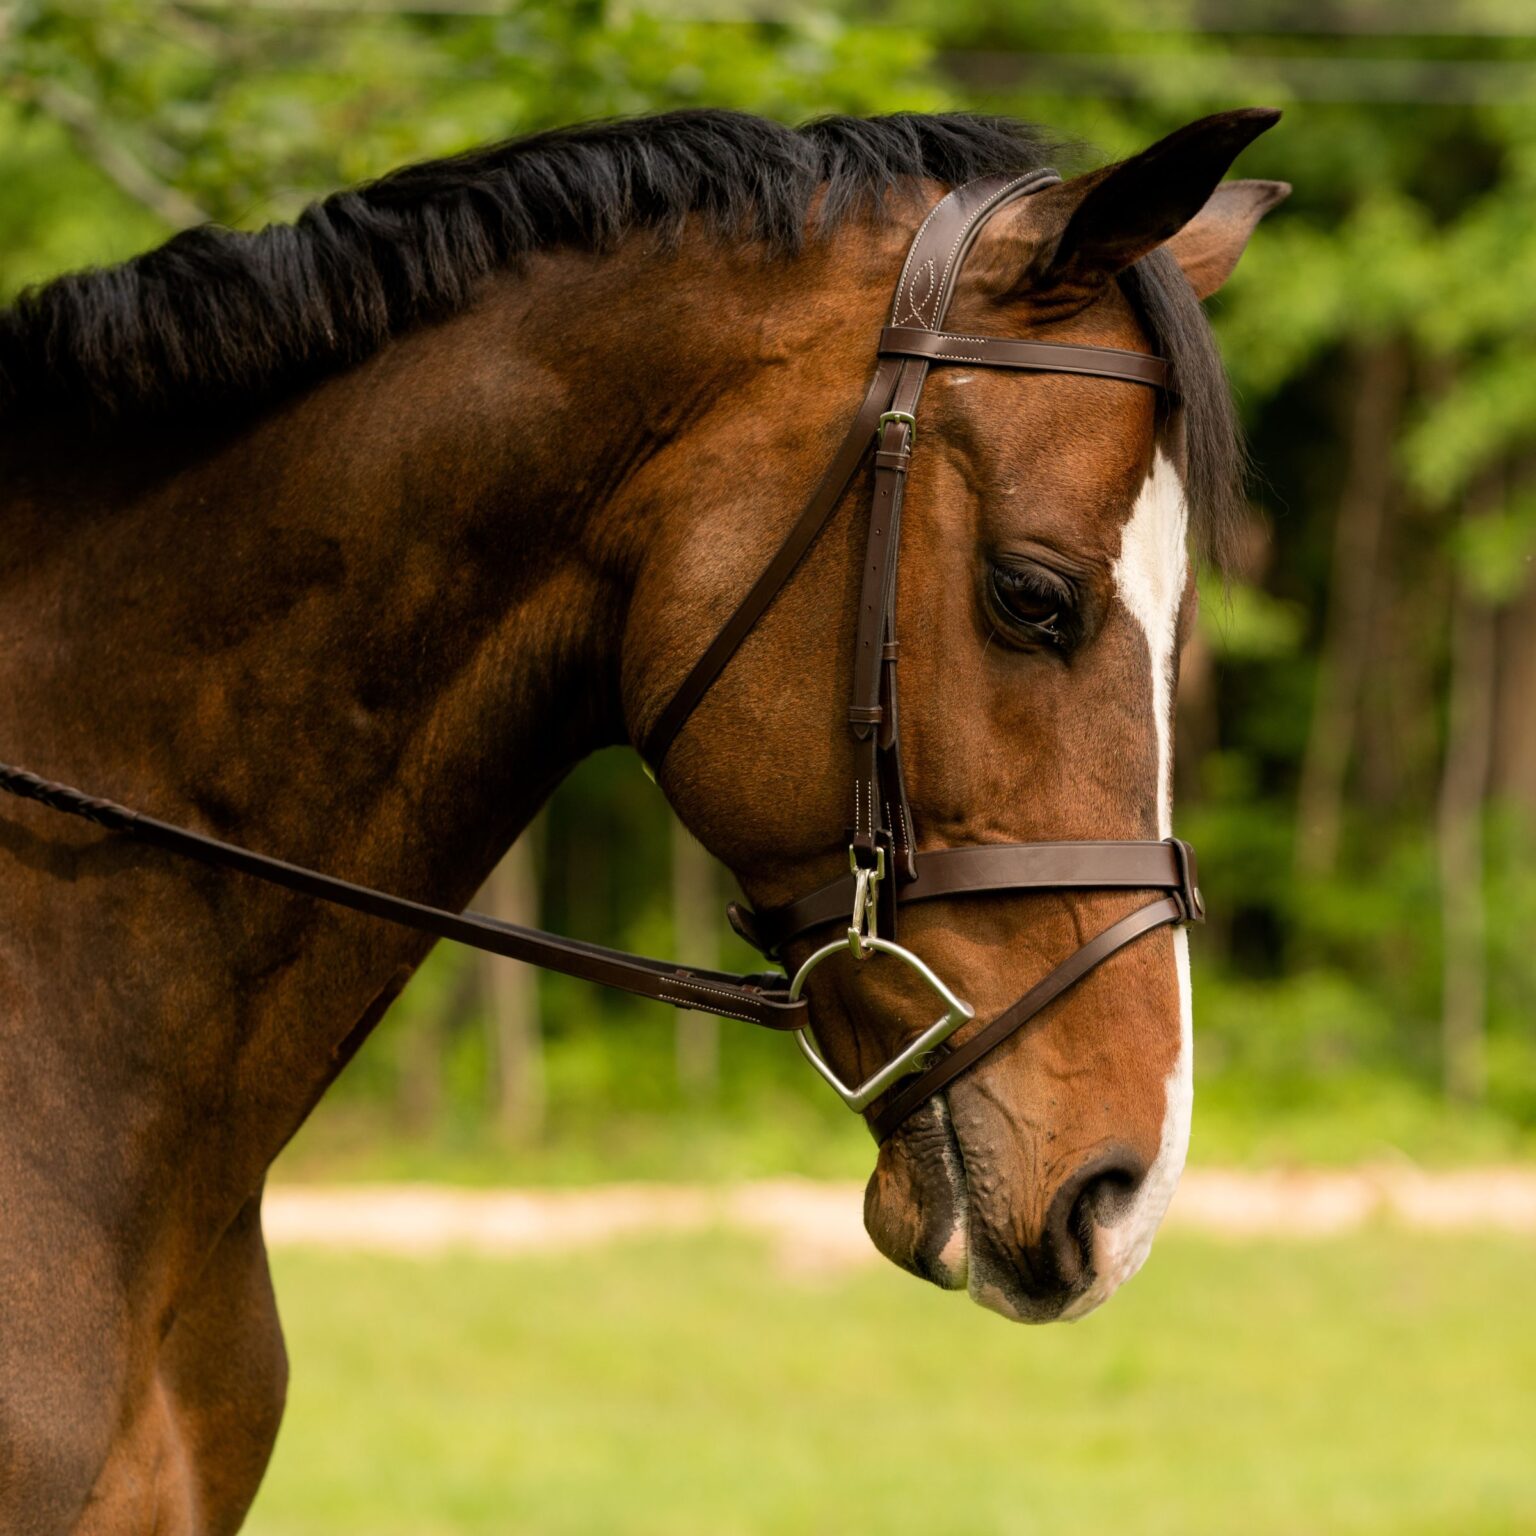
x=916, y=1205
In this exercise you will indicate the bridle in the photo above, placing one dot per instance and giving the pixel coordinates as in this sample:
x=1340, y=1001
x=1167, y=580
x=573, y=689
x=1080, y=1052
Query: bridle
x=886, y=870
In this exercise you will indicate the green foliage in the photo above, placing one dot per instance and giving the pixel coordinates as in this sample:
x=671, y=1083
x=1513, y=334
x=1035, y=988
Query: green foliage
x=1245, y=623
x=1495, y=552
x=248, y=112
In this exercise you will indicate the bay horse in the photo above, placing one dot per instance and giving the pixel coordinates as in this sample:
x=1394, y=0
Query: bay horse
x=345, y=540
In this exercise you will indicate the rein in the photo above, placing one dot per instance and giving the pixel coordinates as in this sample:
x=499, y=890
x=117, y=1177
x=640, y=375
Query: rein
x=755, y=999
x=885, y=869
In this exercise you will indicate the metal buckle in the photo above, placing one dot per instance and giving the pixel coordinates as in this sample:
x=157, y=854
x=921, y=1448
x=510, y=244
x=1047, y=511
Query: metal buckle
x=914, y=1058
x=866, y=892
x=903, y=416
x=1189, y=894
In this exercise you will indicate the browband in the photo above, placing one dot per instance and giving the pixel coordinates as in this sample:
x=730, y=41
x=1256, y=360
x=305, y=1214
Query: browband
x=1027, y=356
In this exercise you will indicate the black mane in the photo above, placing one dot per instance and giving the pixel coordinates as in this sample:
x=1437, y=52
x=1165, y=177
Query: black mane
x=215, y=315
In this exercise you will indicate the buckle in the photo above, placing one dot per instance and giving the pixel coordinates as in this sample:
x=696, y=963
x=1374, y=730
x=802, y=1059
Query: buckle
x=1188, y=891
x=906, y=418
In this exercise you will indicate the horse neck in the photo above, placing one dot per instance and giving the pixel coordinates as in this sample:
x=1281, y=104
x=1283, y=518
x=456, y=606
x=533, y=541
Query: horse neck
x=389, y=610
x=368, y=630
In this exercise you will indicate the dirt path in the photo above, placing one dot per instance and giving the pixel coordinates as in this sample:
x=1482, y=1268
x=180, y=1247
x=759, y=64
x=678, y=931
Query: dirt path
x=818, y=1225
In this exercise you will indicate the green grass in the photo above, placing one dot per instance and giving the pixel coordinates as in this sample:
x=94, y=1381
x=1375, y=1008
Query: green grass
x=1383, y=1383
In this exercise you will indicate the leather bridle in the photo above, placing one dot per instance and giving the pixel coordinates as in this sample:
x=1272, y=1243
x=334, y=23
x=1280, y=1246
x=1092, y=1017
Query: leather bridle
x=887, y=870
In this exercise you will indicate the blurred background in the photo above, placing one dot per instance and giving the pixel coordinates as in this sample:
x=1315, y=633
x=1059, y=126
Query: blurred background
x=1358, y=771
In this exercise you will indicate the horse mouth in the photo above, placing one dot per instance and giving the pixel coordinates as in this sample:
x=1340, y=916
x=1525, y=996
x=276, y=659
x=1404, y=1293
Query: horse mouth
x=926, y=1208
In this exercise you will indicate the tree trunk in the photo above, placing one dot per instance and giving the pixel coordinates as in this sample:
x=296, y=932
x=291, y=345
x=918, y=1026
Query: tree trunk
x=1514, y=766
x=1380, y=375
x=695, y=896
x=419, y=1088
x=512, y=997
x=427, y=1042
x=1463, y=791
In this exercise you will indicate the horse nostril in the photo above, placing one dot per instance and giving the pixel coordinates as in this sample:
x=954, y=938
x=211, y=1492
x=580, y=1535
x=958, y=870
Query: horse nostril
x=1094, y=1197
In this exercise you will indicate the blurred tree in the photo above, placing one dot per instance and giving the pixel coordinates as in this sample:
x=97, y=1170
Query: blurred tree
x=696, y=908
x=516, y=1044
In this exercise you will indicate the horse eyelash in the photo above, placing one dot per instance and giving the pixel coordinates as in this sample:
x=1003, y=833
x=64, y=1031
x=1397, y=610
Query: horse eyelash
x=1038, y=582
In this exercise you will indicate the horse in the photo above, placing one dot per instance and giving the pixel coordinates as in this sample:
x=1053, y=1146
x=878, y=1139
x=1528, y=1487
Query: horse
x=345, y=540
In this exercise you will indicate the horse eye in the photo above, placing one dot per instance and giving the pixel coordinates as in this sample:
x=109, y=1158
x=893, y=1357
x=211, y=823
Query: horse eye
x=1032, y=601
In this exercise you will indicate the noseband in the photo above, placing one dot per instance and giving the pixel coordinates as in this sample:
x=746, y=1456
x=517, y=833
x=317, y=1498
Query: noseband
x=886, y=870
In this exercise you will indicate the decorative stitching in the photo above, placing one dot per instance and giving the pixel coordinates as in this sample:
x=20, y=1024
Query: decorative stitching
x=907, y=270
x=693, y=1002
x=982, y=209
x=917, y=240
x=711, y=989
x=947, y=337
x=1055, y=346
x=914, y=305
x=701, y=986
x=1084, y=370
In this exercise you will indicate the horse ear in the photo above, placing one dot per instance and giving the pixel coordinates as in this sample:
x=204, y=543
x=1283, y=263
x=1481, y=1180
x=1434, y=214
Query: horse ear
x=1208, y=247
x=1081, y=234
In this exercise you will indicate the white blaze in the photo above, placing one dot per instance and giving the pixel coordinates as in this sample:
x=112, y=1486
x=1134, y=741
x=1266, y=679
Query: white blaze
x=1149, y=580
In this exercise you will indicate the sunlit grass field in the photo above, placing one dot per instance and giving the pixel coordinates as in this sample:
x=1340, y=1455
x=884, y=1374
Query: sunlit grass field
x=1384, y=1382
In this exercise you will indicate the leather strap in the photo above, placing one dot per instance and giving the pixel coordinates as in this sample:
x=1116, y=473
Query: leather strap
x=869, y=710
x=813, y=518
x=922, y=297
x=916, y=1091
x=872, y=627
x=944, y=239
x=756, y=1000
x=988, y=867
x=1028, y=356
